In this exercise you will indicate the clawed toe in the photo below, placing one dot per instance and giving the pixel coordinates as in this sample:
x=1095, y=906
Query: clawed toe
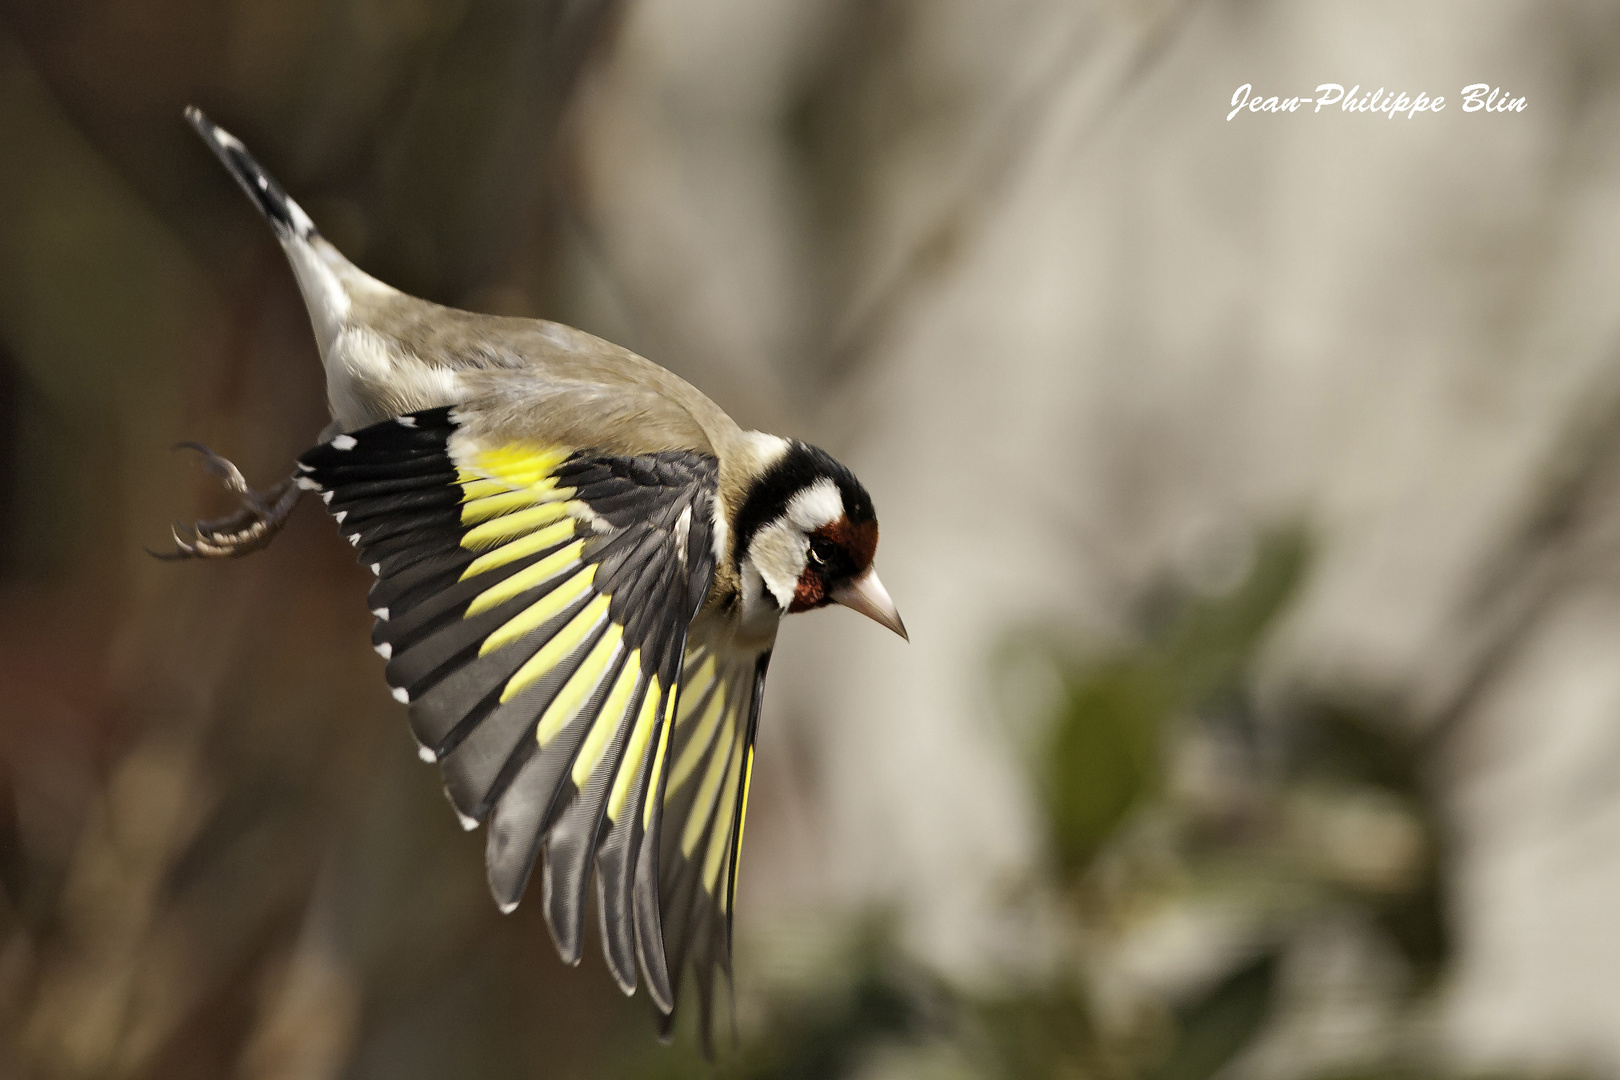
x=249, y=529
x=232, y=478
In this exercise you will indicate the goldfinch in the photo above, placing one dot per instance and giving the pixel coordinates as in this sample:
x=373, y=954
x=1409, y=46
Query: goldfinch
x=581, y=563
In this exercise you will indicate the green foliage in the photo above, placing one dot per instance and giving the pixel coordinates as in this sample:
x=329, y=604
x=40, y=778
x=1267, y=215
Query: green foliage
x=1042, y=1033
x=1104, y=754
x=1102, y=758
x=1212, y=1030
x=1172, y=798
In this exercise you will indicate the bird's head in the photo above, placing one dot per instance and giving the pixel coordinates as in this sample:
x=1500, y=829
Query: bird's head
x=808, y=531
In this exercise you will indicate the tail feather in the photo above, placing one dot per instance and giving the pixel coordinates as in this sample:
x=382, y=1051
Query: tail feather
x=326, y=279
x=284, y=215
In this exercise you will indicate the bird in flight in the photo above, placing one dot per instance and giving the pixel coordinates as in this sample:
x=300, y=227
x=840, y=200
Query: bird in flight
x=581, y=563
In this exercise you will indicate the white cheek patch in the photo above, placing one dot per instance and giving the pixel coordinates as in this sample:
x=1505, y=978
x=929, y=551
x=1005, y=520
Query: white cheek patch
x=778, y=552
x=780, y=549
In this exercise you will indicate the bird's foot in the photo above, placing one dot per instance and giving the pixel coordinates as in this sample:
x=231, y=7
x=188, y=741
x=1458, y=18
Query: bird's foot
x=249, y=529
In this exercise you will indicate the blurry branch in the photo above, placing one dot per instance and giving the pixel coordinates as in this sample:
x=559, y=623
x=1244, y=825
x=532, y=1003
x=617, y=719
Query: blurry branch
x=86, y=1016
x=624, y=207
x=655, y=261
x=467, y=163
x=1013, y=143
x=582, y=26
x=309, y=1022
x=1572, y=528
x=191, y=934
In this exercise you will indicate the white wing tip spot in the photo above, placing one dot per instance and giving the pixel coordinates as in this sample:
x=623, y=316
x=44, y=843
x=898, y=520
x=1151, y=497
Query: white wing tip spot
x=306, y=484
x=354, y=539
x=381, y=613
x=385, y=650
x=405, y=421
x=426, y=754
x=683, y=527
x=401, y=695
x=339, y=516
x=326, y=497
x=507, y=906
x=376, y=569
x=344, y=442
x=468, y=824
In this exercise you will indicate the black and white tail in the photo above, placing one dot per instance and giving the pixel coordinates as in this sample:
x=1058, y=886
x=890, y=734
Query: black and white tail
x=284, y=215
x=328, y=281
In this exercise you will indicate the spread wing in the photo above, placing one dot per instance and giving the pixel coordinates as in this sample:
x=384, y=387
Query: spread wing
x=533, y=603
x=704, y=804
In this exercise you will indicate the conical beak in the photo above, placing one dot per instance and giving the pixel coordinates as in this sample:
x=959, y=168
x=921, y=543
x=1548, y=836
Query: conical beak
x=867, y=595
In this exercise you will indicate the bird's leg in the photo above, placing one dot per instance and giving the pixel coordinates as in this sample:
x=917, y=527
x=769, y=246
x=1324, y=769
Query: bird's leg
x=250, y=528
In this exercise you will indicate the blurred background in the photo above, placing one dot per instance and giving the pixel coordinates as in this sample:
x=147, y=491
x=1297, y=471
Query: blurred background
x=1251, y=489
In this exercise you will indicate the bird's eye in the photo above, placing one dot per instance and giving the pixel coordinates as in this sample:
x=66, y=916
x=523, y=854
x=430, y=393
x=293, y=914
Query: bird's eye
x=820, y=551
